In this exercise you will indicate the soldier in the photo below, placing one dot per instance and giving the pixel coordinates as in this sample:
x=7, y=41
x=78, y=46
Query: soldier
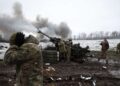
x=104, y=47
x=68, y=49
x=26, y=55
x=118, y=48
x=62, y=49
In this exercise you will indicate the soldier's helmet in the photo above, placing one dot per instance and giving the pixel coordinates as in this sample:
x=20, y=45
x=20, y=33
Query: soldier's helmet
x=31, y=39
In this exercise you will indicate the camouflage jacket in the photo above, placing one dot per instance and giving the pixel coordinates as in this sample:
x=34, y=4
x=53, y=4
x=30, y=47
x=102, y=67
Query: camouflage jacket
x=105, y=45
x=28, y=61
x=62, y=47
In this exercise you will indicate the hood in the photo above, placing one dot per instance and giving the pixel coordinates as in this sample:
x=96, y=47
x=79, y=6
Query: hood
x=31, y=39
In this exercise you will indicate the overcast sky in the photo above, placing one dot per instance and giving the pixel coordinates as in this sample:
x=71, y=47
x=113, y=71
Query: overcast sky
x=80, y=15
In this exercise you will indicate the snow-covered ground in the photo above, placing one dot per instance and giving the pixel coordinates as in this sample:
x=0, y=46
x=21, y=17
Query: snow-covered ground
x=93, y=44
x=3, y=48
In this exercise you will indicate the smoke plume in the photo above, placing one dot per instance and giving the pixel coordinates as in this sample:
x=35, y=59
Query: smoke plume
x=18, y=13
x=53, y=30
x=18, y=23
x=63, y=30
x=9, y=25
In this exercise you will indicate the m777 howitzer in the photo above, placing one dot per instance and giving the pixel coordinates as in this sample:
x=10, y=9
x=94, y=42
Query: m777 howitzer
x=78, y=54
x=52, y=39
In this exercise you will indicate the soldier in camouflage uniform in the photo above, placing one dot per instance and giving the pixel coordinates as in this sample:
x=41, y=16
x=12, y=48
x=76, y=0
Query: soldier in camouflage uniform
x=68, y=49
x=28, y=60
x=104, y=47
x=62, y=49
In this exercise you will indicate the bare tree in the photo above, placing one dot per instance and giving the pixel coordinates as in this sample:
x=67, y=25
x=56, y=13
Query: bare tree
x=114, y=34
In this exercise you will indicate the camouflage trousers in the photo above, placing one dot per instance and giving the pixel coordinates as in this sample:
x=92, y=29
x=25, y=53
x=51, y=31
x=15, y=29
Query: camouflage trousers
x=68, y=54
x=32, y=81
x=103, y=56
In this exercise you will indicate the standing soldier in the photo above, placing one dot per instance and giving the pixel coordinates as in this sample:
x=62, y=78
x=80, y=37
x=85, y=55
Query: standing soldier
x=62, y=49
x=104, y=47
x=26, y=55
x=118, y=48
x=68, y=49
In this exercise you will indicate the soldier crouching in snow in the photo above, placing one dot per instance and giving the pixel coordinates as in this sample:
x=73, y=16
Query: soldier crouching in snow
x=104, y=47
x=26, y=55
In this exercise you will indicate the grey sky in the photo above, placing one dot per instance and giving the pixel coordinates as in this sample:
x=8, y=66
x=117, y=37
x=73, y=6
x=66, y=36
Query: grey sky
x=80, y=15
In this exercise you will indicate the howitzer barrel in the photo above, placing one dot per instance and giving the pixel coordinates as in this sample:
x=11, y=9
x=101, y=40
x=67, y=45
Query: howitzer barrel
x=44, y=34
x=52, y=39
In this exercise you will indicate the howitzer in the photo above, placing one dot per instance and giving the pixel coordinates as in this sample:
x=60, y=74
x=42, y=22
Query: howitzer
x=52, y=39
x=78, y=53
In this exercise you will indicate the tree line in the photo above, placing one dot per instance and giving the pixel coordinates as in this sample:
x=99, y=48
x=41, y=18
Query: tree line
x=91, y=36
x=97, y=35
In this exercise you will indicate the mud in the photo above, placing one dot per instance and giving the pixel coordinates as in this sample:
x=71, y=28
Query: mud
x=99, y=75
x=89, y=73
